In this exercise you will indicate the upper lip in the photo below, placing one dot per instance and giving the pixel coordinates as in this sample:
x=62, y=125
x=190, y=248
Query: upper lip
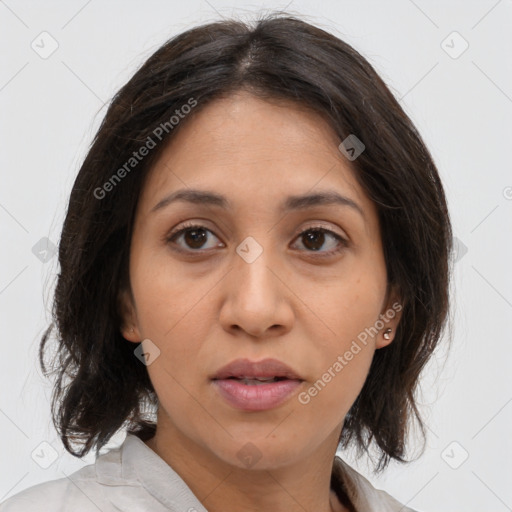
x=252, y=369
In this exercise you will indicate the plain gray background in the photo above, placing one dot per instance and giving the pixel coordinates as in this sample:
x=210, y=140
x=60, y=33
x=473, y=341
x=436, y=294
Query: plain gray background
x=459, y=98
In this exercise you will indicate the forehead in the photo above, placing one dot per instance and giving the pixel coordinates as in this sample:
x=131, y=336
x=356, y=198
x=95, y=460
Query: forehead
x=248, y=148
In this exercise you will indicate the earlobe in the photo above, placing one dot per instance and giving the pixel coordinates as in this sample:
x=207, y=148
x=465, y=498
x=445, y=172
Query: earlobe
x=386, y=337
x=390, y=316
x=131, y=334
x=129, y=329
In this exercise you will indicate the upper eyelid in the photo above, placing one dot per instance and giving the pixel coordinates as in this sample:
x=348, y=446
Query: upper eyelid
x=198, y=225
x=325, y=228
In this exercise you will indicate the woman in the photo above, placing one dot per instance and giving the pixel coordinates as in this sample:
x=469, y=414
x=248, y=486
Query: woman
x=256, y=248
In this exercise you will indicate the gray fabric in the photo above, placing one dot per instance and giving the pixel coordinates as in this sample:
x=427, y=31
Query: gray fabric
x=133, y=478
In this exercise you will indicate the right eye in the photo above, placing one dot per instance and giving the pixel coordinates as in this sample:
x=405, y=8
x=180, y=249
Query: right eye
x=193, y=235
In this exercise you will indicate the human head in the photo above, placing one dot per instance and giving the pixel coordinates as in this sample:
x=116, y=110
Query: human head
x=281, y=59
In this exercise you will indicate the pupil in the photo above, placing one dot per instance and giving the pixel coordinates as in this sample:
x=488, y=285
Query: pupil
x=193, y=239
x=316, y=238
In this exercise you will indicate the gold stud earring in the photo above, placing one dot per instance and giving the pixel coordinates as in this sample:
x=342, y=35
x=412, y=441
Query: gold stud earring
x=387, y=334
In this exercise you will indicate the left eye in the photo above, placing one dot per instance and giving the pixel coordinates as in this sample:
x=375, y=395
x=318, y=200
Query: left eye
x=316, y=237
x=313, y=239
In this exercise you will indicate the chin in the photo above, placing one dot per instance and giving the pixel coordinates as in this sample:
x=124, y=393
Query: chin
x=256, y=453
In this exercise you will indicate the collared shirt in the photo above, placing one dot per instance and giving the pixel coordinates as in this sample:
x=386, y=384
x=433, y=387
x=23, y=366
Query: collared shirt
x=133, y=478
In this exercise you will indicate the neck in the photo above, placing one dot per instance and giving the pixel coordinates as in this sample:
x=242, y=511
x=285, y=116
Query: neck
x=222, y=487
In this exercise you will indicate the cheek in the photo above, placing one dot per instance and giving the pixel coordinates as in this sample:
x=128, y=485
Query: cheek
x=350, y=309
x=175, y=311
x=165, y=299
x=337, y=382
x=352, y=304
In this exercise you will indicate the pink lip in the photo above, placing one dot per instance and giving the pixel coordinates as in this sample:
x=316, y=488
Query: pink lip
x=257, y=397
x=264, y=368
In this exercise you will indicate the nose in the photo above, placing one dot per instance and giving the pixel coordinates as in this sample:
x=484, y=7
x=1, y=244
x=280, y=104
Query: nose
x=257, y=300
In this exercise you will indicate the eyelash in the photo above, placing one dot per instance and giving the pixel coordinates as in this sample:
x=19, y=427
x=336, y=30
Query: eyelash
x=343, y=243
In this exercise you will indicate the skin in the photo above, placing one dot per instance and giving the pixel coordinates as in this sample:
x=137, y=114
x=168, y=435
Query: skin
x=203, y=311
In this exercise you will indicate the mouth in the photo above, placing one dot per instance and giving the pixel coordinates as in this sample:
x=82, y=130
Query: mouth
x=256, y=370
x=256, y=386
x=257, y=381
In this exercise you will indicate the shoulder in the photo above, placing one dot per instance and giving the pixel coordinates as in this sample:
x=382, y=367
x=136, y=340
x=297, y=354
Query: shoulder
x=363, y=494
x=81, y=491
x=54, y=495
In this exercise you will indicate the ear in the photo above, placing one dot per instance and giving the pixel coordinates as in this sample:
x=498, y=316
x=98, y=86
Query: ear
x=129, y=325
x=390, y=316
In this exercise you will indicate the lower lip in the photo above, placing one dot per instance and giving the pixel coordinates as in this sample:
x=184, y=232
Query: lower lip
x=258, y=397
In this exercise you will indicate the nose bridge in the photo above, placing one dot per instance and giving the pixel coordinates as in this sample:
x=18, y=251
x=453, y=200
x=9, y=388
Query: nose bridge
x=255, y=282
x=255, y=300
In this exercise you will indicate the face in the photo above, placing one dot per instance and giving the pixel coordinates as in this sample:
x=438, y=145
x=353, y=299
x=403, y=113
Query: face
x=255, y=275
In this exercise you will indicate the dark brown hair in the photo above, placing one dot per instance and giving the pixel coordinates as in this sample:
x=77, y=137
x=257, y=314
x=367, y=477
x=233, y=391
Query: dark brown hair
x=101, y=386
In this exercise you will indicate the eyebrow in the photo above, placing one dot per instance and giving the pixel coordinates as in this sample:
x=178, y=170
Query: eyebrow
x=291, y=203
